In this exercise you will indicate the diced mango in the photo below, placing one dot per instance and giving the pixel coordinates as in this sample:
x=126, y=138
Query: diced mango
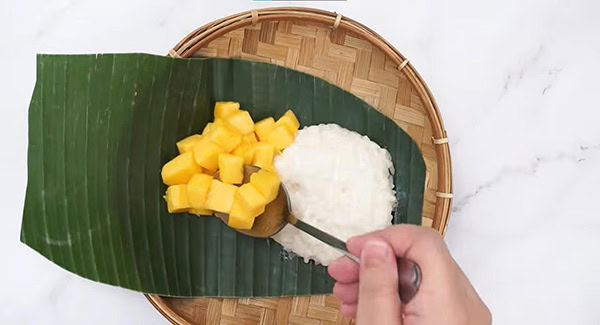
x=263, y=128
x=220, y=122
x=223, y=109
x=263, y=154
x=251, y=199
x=180, y=169
x=250, y=138
x=290, y=121
x=231, y=168
x=201, y=212
x=207, y=128
x=270, y=168
x=239, y=217
x=198, y=188
x=246, y=151
x=206, y=154
x=220, y=196
x=177, y=198
x=224, y=137
x=188, y=143
x=266, y=183
x=280, y=137
x=240, y=121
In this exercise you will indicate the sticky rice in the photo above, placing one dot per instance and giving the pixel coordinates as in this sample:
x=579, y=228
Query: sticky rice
x=338, y=181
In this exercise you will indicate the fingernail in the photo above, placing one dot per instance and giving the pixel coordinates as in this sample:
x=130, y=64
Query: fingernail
x=374, y=253
x=409, y=279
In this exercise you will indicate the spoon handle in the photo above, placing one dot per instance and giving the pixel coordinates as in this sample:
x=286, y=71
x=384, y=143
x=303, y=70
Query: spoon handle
x=324, y=237
x=409, y=273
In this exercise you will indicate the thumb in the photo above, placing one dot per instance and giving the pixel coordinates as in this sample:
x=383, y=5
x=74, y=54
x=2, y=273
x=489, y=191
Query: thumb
x=378, y=299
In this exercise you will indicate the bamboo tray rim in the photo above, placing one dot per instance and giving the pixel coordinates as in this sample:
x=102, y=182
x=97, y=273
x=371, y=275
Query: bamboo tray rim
x=209, y=32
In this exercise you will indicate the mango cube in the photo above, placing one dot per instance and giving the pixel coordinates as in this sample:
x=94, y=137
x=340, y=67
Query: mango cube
x=177, y=198
x=224, y=137
x=188, y=143
x=290, y=121
x=251, y=199
x=231, y=169
x=250, y=138
x=197, y=190
x=216, y=122
x=263, y=128
x=223, y=109
x=241, y=122
x=220, y=196
x=266, y=183
x=207, y=128
x=270, y=168
x=263, y=155
x=206, y=154
x=280, y=137
x=180, y=169
x=239, y=217
x=246, y=151
x=219, y=122
x=201, y=212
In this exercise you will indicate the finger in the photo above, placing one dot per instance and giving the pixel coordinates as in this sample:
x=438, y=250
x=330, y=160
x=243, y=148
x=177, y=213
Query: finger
x=348, y=310
x=344, y=270
x=420, y=244
x=378, y=300
x=347, y=293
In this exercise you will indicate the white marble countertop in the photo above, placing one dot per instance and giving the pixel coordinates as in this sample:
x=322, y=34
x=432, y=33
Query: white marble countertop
x=517, y=83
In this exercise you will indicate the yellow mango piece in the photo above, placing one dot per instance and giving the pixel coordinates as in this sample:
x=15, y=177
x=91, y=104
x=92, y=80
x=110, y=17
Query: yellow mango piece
x=239, y=217
x=250, y=138
x=220, y=196
x=216, y=122
x=267, y=183
x=180, y=169
x=223, y=109
x=251, y=199
x=280, y=137
x=241, y=122
x=263, y=154
x=219, y=122
x=206, y=154
x=188, y=143
x=290, y=121
x=198, y=188
x=207, y=128
x=224, y=137
x=201, y=212
x=231, y=168
x=246, y=151
x=263, y=128
x=177, y=198
x=269, y=168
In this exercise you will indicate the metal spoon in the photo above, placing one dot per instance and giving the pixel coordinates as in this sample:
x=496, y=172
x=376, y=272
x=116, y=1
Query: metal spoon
x=278, y=214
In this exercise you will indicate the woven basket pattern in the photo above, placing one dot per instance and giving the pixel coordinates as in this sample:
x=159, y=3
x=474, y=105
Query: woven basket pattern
x=314, y=310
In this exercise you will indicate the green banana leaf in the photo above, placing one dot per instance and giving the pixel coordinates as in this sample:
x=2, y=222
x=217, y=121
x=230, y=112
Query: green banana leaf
x=100, y=128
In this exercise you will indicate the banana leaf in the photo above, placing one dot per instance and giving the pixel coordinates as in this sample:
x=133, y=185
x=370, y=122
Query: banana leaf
x=100, y=128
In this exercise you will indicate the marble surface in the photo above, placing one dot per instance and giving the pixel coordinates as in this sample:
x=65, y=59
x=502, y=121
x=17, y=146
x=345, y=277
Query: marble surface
x=516, y=81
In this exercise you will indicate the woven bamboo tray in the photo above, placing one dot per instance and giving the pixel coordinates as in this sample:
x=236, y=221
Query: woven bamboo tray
x=353, y=57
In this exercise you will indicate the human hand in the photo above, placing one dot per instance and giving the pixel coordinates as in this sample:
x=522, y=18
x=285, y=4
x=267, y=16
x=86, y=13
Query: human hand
x=369, y=291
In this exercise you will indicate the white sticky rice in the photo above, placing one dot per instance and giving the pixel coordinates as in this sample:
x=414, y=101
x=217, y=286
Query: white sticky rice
x=338, y=181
